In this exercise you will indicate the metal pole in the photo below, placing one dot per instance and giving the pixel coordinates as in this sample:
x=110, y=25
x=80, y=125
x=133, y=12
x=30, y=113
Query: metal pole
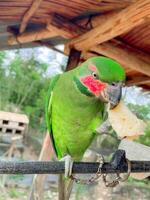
x=43, y=167
x=117, y=164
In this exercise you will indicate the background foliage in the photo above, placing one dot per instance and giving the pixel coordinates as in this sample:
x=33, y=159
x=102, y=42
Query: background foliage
x=24, y=83
x=24, y=86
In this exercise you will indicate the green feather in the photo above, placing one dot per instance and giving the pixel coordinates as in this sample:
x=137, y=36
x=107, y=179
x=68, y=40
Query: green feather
x=48, y=109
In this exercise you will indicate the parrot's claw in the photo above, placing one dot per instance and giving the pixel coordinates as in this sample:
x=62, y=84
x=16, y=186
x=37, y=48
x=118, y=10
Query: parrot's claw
x=68, y=165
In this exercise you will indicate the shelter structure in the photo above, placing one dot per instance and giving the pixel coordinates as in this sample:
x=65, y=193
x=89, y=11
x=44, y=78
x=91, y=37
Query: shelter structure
x=113, y=28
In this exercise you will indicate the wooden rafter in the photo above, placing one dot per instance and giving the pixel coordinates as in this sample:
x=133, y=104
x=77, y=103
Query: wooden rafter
x=70, y=28
x=27, y=37
x=127, y=56
x=132, y=16
x=124, y=54
x=29, y=14
x=57, y=26
x=59, y=31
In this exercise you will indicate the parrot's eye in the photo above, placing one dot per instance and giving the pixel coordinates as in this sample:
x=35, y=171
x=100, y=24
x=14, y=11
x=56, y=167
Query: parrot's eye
x=94, y=75
x=113, y=83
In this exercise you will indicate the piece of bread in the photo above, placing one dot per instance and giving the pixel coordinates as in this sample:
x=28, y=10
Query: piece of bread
x=125, y=123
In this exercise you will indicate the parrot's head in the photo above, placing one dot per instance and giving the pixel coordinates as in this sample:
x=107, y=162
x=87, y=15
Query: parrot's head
x=102, y=78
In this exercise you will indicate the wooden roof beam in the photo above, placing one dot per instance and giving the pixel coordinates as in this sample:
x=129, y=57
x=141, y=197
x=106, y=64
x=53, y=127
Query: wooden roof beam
x=31, y=36
x=127, y=56
x=57, y=26
x=121, y=22
x=139, y=80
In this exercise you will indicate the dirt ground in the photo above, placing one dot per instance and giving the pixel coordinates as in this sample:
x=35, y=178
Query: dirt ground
x=98, y=192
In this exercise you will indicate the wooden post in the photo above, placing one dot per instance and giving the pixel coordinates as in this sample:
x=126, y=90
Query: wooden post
x=74, y=58
x=46, y=154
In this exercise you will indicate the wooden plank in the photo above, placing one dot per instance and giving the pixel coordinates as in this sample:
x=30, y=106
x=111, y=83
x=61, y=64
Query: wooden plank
x=125, y=20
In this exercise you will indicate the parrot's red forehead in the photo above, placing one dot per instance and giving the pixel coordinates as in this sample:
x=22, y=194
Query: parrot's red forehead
x=92, y=68
x=93, y=85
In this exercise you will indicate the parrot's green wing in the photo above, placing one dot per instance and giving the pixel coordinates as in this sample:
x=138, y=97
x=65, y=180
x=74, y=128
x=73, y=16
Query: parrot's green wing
x=48, y=108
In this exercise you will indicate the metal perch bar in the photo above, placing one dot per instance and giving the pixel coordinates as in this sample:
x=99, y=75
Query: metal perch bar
x=117, y=164
x=41, y=167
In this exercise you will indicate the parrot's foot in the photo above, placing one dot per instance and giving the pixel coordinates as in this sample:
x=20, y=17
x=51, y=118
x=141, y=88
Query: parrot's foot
x=104, y=127
x=68, y=165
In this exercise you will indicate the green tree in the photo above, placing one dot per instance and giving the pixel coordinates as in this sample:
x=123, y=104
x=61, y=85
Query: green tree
x=143, y=112
x=25, y=87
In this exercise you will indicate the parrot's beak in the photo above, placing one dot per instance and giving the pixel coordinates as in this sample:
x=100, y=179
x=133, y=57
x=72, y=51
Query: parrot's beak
x=112, y=94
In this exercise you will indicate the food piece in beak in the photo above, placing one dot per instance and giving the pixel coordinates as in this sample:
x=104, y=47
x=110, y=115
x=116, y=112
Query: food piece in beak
x=125, y=123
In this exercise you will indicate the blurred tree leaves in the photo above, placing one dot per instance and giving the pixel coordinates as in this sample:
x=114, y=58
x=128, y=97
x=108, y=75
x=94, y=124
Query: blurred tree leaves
x=142, y=112
x=24, y=87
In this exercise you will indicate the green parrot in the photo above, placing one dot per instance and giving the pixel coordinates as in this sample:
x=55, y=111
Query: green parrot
x=76, y=105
